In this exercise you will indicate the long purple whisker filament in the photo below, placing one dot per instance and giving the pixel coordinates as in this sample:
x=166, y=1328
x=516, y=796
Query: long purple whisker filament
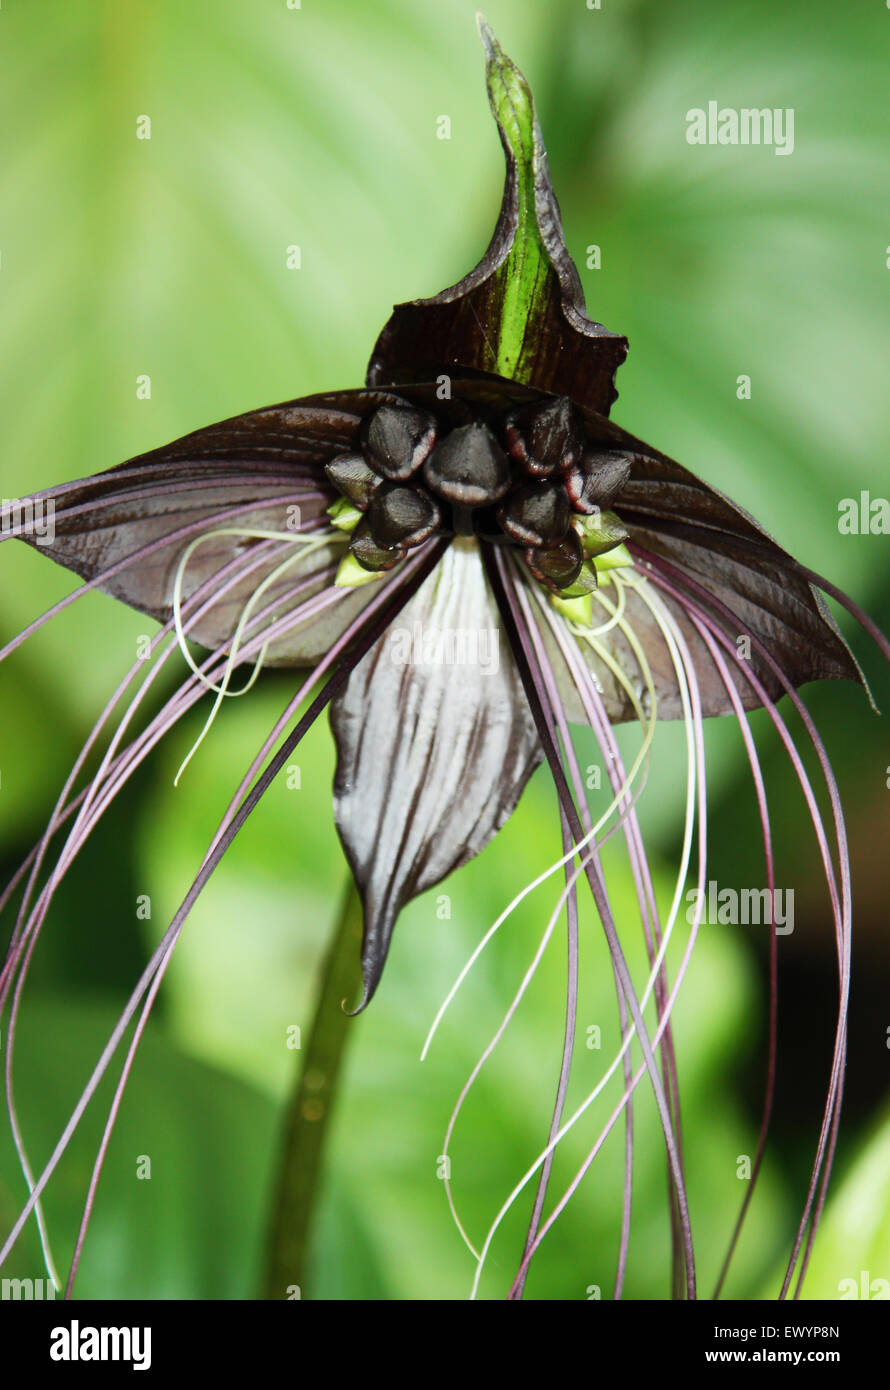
x=568, y=1042
x=173, y=710
x=123, y=767
x=257, y=557
x=536, y=696
x=568, y=1047
x=113, y=1113
x=665, y=1016
x=613, y=1118
x=597, y=718
x=214, y=586
x=841, y=919
x=831, y=1118
x=189, y=693
x=587, y=686
x=170, y=487
x=362, y=633
x=668, y=576
x=531, y=629
x=565, y=895
x=865, y=622
x=166, y=489
x=22, y=957
x=22, y=949
x=380, y=601
x=161, y=969
x=19, y=953
x=657, y=566
x=183, y=533
x=772, y=1030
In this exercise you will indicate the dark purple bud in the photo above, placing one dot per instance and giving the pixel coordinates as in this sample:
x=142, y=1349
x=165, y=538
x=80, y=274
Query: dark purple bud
x=469, y=468
x=546, y=436
x=352, y=477
x=557, y=566
x=598, y=479
x=403, y=516
x=536, y=514
x=371, y=555
x=399, y=440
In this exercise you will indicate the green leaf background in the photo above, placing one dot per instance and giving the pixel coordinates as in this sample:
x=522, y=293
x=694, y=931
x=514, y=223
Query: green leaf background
x=317, y=127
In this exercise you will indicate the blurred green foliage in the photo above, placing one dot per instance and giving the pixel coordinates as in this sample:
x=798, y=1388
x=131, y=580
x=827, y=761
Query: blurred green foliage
x=317, y=127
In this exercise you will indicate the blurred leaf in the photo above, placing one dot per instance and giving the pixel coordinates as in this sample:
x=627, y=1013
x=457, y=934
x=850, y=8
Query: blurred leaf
x=852, y=1248
x=191, y=1229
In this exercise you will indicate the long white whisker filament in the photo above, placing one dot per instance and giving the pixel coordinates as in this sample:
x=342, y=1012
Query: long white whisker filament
x=597, y=717
x=841, y=906
x=306, y=545
x=625, y=823
x=638, y=762
x=86, y=818
x=616, y=612
x=182, y=533
x=172, y=933
x=662, y=615
x=618, y=798
x=694, y=780
x=25, y=927
x=502, y=1027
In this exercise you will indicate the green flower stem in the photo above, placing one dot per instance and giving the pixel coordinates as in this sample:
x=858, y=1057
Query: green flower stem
x=310, y=1108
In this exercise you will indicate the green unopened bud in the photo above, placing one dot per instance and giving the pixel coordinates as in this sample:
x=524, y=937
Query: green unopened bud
x=344, y=515
x=614, y=560
x=574, y=610
x=599, y=532
x=351, y=574
x=585, y=583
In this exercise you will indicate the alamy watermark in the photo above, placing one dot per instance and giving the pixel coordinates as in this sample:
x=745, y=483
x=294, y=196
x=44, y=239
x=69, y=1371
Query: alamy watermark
x=78, y=1342
x=31, y=516
x=423, y=645
x=745, y=907
x=746, y=125
x=863, y=515
x=29, y=1290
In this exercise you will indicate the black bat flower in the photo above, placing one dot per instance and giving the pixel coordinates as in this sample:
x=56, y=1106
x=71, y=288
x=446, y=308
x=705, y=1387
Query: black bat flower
x=475, y=557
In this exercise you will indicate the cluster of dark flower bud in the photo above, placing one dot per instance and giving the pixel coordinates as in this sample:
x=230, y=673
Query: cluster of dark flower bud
x=539, y=486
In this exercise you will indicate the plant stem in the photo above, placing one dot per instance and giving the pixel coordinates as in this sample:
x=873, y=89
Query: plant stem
x=309, y=1110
